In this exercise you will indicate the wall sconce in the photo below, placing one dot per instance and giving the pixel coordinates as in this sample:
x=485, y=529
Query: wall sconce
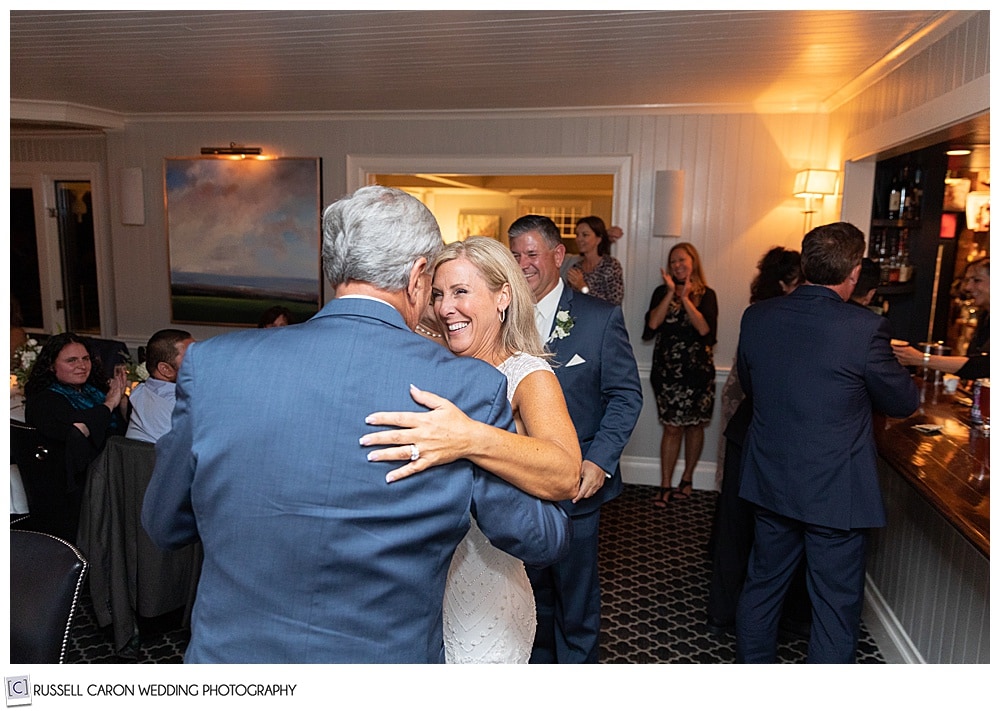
x=668, y=203
x=233, y=149
x=814, y=183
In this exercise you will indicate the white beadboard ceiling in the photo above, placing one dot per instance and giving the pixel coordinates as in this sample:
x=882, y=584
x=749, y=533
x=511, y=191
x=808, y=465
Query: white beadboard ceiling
x=161, y=62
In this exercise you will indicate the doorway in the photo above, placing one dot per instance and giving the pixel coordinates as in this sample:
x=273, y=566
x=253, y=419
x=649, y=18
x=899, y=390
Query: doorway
x=57, y=269
x=362, y=170
x=486, y=205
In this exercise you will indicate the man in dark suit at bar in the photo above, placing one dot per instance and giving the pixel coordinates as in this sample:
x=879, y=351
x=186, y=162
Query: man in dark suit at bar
x=815, y=367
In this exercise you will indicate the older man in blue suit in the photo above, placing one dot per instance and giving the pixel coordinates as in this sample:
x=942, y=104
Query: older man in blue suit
x=814, y=368
x=597, y=371
x=310, y=556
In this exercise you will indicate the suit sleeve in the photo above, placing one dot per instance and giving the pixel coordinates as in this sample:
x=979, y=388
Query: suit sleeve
x=167, y=513
x=538, y=532
x=889, y=384
x=621, y=395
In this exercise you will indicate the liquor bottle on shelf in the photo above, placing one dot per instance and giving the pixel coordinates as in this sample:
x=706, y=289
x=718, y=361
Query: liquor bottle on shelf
x=895, y=198
x=893, y=269
x=905, y=268
x=904, y=193
x=916, y=192
x=883, y=260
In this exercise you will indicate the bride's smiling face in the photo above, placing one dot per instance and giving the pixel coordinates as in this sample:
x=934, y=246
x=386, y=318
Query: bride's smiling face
x=468, y=311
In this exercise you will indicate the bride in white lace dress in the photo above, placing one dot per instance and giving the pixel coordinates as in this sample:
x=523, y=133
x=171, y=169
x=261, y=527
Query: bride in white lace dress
x=485, y=310
x=489, y=609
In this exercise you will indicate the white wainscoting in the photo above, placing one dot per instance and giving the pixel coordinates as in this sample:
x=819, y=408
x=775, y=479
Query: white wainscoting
x=927, y=598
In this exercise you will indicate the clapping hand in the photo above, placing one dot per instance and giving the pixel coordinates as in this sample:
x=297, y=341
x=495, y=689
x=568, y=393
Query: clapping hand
x=574, y=275
x=668, y=280
x=116, y=387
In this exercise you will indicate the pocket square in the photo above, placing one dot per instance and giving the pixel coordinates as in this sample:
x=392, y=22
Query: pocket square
x=575, y=360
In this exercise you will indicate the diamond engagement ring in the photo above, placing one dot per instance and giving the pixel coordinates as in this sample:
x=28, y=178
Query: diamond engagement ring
x=414, y=453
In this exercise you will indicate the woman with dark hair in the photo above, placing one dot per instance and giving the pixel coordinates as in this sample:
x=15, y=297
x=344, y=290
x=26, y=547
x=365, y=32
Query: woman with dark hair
x=779, y=272
x=683, y=317
x=73, y=408
x=596, y=272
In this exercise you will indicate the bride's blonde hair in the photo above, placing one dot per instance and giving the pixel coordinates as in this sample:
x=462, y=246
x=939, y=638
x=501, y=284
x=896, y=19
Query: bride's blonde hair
x=497, y=266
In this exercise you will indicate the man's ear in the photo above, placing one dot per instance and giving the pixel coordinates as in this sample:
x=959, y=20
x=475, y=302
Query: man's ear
x=164, y=371
x=415, y=286
x=855, y=273
x=560, y=254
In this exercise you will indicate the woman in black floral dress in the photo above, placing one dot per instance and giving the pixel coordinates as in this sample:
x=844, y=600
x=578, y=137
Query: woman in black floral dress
x=683, y=316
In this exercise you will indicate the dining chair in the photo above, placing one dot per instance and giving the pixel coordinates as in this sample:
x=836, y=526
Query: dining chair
x=53, y=508
x=130, y=576
x=111, y=353
x=46, y=579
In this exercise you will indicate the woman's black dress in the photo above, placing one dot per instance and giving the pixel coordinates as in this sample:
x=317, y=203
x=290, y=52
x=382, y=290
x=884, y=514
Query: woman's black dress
x=683, y=370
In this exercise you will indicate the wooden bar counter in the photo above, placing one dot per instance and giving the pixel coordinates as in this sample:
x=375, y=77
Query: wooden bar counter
x=951, y=467
x=927, y=597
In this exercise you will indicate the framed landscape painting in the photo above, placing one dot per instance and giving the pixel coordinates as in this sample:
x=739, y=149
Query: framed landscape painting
x=243, y=236
x=478, y=225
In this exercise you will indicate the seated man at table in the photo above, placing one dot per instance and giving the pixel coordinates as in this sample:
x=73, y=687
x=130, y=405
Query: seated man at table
x=153, y=400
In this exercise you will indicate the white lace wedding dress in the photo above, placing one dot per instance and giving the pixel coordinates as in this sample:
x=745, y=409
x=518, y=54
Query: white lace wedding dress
x=489, y=609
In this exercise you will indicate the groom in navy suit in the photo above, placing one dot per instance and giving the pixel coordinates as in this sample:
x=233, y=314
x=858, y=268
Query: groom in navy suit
x=599, y=378
x=814, y=368
x=310, y=556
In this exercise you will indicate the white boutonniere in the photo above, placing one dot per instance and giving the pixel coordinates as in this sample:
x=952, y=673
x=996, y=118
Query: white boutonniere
x=564, y=324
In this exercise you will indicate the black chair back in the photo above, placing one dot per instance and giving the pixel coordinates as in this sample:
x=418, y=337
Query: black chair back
x=53, y=505
x=111, y=353
x=46, y=579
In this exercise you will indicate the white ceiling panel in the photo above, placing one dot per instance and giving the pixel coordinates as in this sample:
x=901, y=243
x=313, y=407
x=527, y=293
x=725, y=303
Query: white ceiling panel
x=156, y=62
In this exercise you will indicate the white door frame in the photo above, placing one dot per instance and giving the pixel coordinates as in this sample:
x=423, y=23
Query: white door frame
x=361, y=167
x=41, y=178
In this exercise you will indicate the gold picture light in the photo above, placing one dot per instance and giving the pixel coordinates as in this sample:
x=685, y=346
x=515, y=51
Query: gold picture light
x=233, y=149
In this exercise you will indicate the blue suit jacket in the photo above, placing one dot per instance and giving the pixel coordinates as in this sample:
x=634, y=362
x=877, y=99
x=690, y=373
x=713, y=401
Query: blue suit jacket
x=814, y=367
x=309, y=555
x=600, y=380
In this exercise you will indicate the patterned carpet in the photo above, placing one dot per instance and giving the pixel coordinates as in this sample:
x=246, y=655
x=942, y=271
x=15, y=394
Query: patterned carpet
x=655, y=573
x=654, y=576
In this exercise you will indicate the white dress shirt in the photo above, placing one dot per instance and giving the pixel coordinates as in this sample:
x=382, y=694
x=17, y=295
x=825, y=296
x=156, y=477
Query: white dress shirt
x=545, y=311
x=152, y=406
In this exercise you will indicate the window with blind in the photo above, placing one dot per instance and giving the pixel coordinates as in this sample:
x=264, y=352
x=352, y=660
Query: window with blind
x=564, y=213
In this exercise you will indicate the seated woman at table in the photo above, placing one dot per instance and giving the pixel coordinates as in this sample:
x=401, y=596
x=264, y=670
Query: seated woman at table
x=66, y=400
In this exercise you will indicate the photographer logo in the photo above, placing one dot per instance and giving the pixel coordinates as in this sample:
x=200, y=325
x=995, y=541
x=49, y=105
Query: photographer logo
x=18, y=690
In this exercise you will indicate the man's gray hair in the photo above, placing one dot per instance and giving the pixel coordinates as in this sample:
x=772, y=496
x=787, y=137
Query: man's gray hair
x=375, y=236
